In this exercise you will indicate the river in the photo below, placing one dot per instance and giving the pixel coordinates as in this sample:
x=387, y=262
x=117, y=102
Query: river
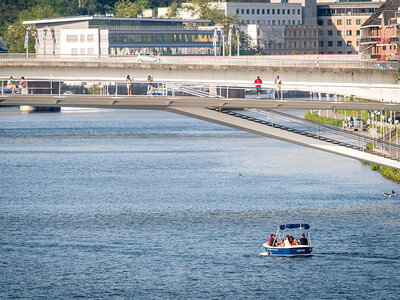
x=151, y=205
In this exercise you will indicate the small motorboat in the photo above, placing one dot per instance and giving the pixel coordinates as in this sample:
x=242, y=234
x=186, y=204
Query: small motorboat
x=290, y=250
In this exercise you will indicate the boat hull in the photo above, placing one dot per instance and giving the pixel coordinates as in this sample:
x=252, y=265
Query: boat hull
x=297, y=250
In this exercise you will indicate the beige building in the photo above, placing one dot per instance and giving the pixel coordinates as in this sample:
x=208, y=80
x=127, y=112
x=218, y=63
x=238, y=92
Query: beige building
x=340, y=24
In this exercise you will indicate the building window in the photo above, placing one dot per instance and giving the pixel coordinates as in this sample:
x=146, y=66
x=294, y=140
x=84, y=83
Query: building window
x=279, y=22
x=90, y=51
x=340, y=52
x=339, y=43
x=82, y=38
x=305, y=33
x=358, y=21
x=263, y=11
x=339, y=33
x=320, y=22
x=283, y=22
x=330, y=32
x=348, y=22
x=263, y=22
x=329, y=22
x=348, y=44
x=72, y=39
x=358, y=32
x=330, y=44
x=288, y=11
x=273, y=11
x=305, y=44
x=252, y=12
x=242, y=11
x=294, y=33
x=315, y=44
x=339, y=22
x=237, y=11
x=298, y=11
x=322, y=44
x=278, y=11
x=90, y=38
x=268, y=11
x=82, y=51
x=273, y=22
x=248, y=11
x=283, y=11
x=348, y=32
x=74, y=51
x=268, y=22
x=358, y=43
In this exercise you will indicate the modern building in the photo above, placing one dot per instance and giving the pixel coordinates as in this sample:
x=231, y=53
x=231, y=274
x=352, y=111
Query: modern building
x=380, y=33
x=340, y=24
x=103, y=36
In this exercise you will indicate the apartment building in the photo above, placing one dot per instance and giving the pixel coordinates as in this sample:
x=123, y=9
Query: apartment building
x=380, y=33
x=340, y=24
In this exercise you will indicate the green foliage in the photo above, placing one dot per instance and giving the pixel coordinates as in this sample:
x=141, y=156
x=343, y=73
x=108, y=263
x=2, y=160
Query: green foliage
x=314, y=117
x=128, y=9
x=173, y=10
x=294, y=52
x=14, y=37
x=374, y=167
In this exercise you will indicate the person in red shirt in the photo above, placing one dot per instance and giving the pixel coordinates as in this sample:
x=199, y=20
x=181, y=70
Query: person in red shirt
x=258, y=83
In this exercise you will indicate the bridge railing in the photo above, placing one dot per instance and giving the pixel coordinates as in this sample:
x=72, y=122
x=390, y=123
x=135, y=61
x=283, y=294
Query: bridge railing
x=318, y=61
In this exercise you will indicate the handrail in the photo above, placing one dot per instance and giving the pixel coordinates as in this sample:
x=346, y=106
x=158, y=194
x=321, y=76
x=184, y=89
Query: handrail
x=262, y=60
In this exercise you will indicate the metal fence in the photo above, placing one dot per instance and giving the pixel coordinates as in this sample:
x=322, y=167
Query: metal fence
x=315, y=61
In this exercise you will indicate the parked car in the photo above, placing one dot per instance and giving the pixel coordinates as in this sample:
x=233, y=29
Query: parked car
x=147, y=57
x=68, y=93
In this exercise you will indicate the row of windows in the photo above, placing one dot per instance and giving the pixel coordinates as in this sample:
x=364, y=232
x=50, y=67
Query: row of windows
x=271, y=22
x=338, y=22
x=269, y=11
x=340, y=11
x=83, y=51
x=73, y=38
x=294, y=44
x=339, y=43
x=339, y=33
x=162, y=38
x=301, y=33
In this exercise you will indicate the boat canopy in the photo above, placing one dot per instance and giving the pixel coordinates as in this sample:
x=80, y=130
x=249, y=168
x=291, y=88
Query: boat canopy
x=292, y=226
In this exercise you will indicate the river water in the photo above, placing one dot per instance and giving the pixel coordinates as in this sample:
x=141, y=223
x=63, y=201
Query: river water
x=150, y=205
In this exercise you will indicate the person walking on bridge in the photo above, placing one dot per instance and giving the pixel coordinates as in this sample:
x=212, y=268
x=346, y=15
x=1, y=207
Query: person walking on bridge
x=258, y=83
x=278, y=83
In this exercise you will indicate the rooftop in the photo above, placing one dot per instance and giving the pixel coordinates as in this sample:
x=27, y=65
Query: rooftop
x=88, y=18
x=386, y=11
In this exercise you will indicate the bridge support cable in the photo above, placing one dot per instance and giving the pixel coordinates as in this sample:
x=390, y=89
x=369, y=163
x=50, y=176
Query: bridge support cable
x=262, y=127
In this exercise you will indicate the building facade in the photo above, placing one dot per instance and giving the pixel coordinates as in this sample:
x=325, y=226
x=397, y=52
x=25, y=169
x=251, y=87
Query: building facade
x=380, y=33
x=340, y=25
x=103, y=36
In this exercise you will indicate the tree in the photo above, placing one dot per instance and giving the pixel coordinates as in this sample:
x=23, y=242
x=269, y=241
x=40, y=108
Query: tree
x=128, y=9
x=173, y=10
x=14, y=36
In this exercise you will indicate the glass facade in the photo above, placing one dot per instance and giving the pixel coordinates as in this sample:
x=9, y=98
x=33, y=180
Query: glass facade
x=179, y=38
x=165, y=37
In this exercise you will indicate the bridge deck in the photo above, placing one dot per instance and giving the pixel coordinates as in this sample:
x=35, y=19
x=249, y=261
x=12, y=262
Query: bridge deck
x=164, y=102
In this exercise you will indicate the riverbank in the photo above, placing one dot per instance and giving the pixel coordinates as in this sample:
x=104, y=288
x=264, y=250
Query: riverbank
x=386, y=172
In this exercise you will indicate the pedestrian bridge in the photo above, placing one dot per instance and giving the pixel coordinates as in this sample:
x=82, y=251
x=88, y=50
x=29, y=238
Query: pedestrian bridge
x=342, y=75
x=251, y=115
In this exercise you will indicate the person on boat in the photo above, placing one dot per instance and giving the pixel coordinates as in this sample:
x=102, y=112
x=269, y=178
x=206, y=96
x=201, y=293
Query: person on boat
x=292, y=241
x=303, y=240
x=272, y=241
x=287, y=242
